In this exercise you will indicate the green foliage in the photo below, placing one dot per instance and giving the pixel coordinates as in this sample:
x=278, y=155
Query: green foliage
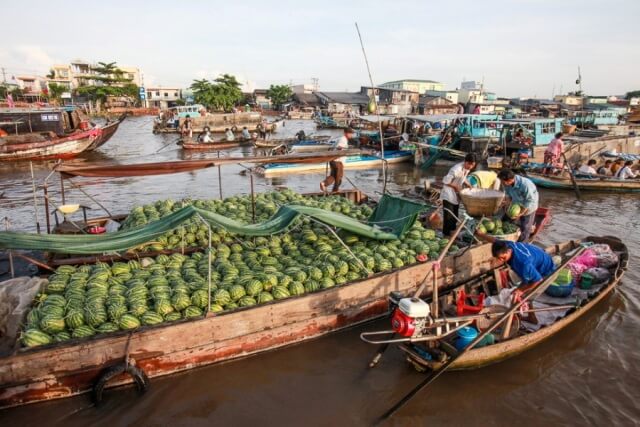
x=56, y=90
x=112, y=83
x=221, y=94
x=632, y=94
x=279, y=94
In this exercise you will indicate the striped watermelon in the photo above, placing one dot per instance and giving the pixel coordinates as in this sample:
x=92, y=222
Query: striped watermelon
x=128, y=321
x=83, y=331
x=35, y=337
x=280, y=292
x=151, y=318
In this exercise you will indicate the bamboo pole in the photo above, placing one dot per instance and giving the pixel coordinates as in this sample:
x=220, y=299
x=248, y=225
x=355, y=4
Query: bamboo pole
x=35, y=200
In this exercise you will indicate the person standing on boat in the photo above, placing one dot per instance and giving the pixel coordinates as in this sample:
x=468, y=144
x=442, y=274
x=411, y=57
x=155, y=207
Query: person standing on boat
x=626, y=172
x=553, y=153
x=453, y=182
x=301, y=135
x=187, y=128
x=245, y=134
x=522, y=191
x=337, y=166
x=605, y=170
x=589, y=168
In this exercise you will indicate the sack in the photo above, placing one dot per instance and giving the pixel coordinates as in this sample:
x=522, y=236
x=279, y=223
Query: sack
x=605, y=257
x=598, y=275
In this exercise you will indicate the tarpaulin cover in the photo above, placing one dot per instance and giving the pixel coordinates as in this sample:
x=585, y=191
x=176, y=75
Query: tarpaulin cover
x=127, y=239
x=395, y=214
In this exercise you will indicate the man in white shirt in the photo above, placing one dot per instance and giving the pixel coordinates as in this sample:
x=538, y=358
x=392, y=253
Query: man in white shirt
x=228, y=133
x=589, y=168
x=245, y=134
x=453, y=182
x=337, y=166
x=626, y=172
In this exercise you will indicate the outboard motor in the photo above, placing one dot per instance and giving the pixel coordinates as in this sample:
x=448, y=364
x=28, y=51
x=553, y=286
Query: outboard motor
x=410, y=317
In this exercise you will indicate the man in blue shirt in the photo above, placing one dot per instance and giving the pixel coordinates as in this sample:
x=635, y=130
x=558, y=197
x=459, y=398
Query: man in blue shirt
x=530, y=262
x=522, y=191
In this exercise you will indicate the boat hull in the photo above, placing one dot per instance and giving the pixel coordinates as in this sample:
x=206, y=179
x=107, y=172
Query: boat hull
x=58, y=148
x=603, y=184
x=357, y=162
x=207, y=146
x=106, y=133
x=66, y=369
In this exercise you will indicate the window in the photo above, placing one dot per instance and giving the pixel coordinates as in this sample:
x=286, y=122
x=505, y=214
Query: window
x=166, y=94
x=157, y=93
x=175, y=94
x=149, y=94
x=548, y=128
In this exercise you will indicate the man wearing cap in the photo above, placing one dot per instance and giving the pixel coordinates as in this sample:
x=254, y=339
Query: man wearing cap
x=337, y=166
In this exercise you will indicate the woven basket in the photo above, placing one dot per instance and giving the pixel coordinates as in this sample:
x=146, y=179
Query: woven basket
x=511, y=236
x=479, y=202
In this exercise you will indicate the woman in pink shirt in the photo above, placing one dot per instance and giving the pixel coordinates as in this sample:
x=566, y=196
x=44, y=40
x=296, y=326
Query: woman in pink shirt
x=554, y=150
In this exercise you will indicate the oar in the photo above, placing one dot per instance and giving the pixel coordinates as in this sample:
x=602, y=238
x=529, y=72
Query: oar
x=435, y=374
x=383, y=347
x=573, y=177
x=168, y=144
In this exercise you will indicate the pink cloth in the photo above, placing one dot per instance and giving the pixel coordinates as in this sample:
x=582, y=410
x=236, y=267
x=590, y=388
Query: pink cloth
x=555, y=148
x=586, y=260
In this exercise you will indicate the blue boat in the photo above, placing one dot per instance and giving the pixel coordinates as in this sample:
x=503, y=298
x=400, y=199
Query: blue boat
x=352, y=162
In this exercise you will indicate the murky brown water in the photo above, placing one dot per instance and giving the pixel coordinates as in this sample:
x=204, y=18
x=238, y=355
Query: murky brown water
x=586, y=375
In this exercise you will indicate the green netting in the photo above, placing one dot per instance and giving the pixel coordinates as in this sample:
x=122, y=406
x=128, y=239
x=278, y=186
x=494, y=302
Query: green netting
x=127, y=239
x=395, y=214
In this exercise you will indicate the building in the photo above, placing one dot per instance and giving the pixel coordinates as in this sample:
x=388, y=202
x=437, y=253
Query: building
x=342, y=102
x=472, y=96
x=80, y=73
x=471, y=85
x=32, y=85
x=392, y=101
x=305, y=88
x=133, y=74
x=428, y=105
x=451, y=95
x=419, y=86
x=261, y=100
x=163, y=97
x=61, y=74
x=570, y=99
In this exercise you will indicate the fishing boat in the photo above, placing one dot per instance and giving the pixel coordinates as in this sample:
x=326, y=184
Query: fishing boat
x=604, y=184
x=106, y=132
x=42, y=147
x=311, y=146
x=273, y=143
x=352, y=162
x=553, y=312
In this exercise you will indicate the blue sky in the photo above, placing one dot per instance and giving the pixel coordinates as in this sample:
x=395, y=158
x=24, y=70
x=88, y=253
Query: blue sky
x=519, y=47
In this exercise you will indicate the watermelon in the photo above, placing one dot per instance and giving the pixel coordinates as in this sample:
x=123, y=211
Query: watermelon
x=514, y=210
x=151, y=318
x=280, y=292
x=35, y=337
x=264, y=297
x=296, y=288
x=52, y=324
x=200, y=298
x=191, y=312
x=74, y=318
x=246, y=301
x=62, y=336
x=128, y=321
x=172, y=317
x=236, y=292
x=83, y=331
x=107, y=327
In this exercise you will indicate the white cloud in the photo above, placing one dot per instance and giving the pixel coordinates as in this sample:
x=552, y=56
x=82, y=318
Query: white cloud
x=26, y=59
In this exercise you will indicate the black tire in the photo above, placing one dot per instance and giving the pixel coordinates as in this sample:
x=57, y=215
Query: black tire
x=138, y=375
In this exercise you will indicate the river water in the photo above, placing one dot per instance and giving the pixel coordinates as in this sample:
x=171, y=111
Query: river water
x=585, y=375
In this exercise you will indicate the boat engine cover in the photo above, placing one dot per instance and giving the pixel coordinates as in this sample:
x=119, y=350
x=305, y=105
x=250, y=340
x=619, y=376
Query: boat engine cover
x=410, y=317
x=414, y=307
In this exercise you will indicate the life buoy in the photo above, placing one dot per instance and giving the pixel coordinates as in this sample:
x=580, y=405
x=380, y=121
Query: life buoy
x=138, y=375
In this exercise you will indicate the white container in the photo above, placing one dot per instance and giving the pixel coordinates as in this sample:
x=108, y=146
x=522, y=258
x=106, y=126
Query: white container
x=495, y=162
x=414, y=307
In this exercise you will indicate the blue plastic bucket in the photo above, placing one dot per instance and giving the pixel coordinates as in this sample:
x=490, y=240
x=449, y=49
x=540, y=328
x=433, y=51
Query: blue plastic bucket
x=465, y=336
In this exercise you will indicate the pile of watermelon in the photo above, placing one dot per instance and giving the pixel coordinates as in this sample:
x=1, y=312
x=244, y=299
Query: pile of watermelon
x=496, y=227
x=86, y=300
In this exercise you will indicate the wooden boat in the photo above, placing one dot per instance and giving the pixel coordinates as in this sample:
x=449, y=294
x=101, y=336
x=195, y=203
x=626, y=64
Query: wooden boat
x=273, y=143
x=106, y=132
x=38, y=147
x=191, y=145
x=311, y=146
x=73, y=367
x=352, y=162
x=586, y=184
x=525, y=339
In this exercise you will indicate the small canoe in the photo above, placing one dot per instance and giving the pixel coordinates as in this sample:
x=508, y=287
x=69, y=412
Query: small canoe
x=272, y=143
x=13, y=148
x=191, y=145
x=587, y=184
x=352, y=162
x=527, y=335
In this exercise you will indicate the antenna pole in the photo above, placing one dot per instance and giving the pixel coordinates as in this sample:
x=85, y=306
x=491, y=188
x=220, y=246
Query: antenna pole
x=373, y=90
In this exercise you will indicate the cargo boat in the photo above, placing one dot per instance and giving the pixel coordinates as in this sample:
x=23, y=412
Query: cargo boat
x=611, y=185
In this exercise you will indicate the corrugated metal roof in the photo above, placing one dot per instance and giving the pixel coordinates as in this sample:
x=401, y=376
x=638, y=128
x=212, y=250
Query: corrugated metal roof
x=345, y=97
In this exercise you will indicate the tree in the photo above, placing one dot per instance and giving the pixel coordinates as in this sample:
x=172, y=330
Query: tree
x=56, y=90
x=51, y=75
x=108, y=80
x=279, y=94
x=221, y=94
x=632, y=94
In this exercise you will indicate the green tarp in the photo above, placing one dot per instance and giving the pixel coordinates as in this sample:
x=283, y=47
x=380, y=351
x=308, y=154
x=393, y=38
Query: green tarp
x=395, y=214
x=126, y=239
